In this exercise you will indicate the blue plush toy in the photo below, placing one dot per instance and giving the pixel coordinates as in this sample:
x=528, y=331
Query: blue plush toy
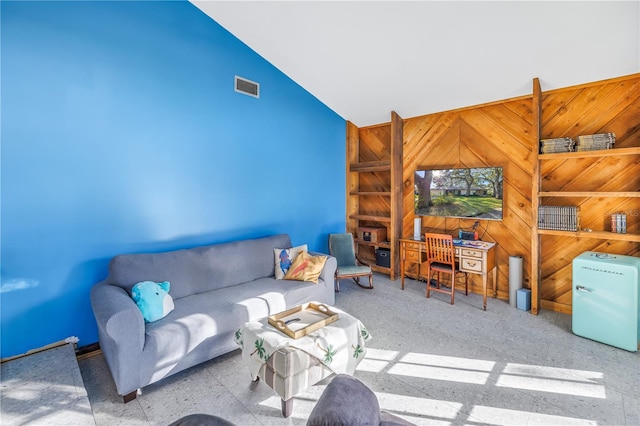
x=153, y=299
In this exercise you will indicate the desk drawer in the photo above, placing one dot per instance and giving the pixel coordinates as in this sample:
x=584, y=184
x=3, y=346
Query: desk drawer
x=471, y=253
x=409, y=246
x=470, y=265
x=415, y=256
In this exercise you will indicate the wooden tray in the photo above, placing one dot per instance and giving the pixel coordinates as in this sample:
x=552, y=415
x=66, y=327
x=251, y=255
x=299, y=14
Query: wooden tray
x=303, y=319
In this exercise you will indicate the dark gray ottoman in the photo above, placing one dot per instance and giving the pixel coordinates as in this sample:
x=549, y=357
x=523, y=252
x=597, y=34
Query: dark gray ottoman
x=347, y=401
x=201, y=420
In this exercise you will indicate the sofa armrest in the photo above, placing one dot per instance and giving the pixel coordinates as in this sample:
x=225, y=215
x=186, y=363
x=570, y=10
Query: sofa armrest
x=121, y=331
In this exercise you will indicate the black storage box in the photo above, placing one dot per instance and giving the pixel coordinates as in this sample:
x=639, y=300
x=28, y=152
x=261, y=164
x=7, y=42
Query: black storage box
x=383, y=257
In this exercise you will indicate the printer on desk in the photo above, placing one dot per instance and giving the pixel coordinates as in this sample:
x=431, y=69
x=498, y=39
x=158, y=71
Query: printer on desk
x=470, y=235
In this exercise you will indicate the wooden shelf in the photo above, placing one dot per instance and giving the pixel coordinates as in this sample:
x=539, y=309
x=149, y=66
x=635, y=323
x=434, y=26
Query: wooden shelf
x=383, y=219
x=600, y=235
x=379, y=193
x=374, y=187
x=371, y=166
x=385, y=244
x=595, y=194
x=374, y=266
x=588, y=154
x=378, y=268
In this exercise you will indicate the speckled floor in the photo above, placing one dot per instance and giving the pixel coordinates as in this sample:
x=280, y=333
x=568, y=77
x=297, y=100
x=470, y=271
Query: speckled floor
x=45, y=388
x=429, y=362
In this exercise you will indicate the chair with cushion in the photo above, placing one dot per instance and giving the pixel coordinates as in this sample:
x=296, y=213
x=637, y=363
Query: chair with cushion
x=342, y=247
x=441, y=257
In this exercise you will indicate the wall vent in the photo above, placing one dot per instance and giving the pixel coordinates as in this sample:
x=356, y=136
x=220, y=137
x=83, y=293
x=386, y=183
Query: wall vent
x=247, y=87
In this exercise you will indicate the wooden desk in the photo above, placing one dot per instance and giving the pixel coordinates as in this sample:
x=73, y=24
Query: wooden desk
x=474, y=257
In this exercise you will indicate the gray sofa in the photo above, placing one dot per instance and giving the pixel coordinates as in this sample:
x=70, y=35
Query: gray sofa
x=215, y=290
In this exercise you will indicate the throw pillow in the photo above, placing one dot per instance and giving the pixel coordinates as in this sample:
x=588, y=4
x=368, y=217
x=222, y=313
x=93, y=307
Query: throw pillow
x=284, y=259
x=306, y=268
x=153, y=299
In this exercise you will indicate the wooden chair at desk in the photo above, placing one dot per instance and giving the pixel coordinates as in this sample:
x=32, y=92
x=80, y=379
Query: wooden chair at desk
x=441, y=257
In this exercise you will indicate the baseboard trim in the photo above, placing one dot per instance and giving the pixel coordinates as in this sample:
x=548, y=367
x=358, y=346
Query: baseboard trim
x=88, y=351
x=70, y=340
x=550, y=305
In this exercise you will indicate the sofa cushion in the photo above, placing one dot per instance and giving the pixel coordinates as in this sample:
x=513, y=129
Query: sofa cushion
x=201, y=316
x=267, y=296
x=194, y=319
x=200, y=269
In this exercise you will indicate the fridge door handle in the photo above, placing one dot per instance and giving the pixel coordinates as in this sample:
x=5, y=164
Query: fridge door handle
x=583, y=288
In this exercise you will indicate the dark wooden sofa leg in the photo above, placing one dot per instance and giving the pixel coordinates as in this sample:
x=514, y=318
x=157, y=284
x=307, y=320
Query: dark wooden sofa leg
x=287, y=407
x=130, y=396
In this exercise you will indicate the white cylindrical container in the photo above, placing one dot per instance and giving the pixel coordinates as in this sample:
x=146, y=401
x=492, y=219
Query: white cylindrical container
x=515, y=278
x=417, y=228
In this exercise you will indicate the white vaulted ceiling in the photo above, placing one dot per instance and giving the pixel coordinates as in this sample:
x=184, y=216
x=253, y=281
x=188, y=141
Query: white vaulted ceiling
x=364, y=59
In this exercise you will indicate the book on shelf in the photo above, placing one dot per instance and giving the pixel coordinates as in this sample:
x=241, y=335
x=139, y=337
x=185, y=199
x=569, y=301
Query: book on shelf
x=556, y=145
x=619, y=223
x=559, y=218
x=595, y=142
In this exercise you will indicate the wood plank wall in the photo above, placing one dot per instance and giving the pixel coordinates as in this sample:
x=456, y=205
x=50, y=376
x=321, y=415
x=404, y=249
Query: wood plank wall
x=503, y=134
x=600, y=107
x=496, y=134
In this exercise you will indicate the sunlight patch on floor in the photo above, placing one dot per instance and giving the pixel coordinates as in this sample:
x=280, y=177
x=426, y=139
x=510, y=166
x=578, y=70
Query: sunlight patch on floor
x=552, y=379
x=49, y=404
x=554, y=372
x=438, y=367
x=503, y=416
x=448, y=361
x=551, y=385
x=426, y=411
x=414, y=407
x=372, y=365
x=382, y=354
x=376, y=360
x=440, y=373
x=476, y=371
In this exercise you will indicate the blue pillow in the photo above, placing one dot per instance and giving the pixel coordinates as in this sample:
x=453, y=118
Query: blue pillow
x=153, y=299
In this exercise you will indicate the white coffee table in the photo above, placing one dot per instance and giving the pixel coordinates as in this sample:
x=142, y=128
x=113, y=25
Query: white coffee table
x=290, y=366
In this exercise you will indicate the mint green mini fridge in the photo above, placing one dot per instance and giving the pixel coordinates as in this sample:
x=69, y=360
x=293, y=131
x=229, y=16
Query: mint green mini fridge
x=606, y=300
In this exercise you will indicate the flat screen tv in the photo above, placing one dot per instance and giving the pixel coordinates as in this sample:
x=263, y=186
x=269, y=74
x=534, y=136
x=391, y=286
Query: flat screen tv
x=474, y=193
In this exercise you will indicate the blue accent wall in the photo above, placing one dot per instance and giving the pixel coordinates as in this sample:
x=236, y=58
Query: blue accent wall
x=121, y=132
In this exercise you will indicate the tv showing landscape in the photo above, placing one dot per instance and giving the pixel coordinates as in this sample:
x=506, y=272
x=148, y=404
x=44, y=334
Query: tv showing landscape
x=474, y=193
